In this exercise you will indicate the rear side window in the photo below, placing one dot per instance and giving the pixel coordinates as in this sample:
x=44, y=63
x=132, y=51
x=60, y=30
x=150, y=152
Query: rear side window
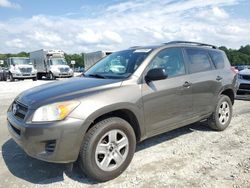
x=218, y=59
x=198, y=60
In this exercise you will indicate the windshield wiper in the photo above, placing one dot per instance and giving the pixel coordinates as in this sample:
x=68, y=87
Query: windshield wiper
x=96, y=76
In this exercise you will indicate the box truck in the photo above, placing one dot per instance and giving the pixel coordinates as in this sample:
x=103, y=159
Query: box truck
x=21, y=68
x=51, y=64
x=92, y=57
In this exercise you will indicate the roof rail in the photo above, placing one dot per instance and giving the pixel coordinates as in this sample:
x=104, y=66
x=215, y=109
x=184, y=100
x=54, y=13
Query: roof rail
x=193, y=43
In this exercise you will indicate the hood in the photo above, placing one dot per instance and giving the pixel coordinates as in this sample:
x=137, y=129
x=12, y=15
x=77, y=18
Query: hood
x=70, y=89
x=245, y=72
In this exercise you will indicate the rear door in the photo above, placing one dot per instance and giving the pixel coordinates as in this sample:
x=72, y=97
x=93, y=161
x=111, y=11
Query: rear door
x=205, y=80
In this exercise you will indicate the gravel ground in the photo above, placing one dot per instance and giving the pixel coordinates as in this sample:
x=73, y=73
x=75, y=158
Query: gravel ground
x=192, y=156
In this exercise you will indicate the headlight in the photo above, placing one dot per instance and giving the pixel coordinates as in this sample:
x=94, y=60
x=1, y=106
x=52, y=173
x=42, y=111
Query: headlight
x=54, y=112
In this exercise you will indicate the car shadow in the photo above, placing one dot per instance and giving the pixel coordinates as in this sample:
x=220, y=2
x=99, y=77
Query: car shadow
x=37, y=171
x=40, y=172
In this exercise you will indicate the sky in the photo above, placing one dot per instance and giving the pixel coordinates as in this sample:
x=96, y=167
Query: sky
x=91, y=25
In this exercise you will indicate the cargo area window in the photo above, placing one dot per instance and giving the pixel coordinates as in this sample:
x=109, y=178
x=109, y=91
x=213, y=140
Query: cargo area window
x=218, y=59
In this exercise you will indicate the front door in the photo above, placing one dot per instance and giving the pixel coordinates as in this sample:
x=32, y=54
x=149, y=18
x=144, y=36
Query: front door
x=169, y=101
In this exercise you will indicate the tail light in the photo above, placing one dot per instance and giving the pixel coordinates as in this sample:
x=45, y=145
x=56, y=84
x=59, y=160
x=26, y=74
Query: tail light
x=234, y=70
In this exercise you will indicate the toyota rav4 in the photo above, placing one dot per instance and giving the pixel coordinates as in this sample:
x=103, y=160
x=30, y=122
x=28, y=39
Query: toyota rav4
x=123, y=99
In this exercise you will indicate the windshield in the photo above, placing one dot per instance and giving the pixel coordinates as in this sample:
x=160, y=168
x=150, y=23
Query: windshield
x=21, y=61
x=119, y=64
x=58, y=61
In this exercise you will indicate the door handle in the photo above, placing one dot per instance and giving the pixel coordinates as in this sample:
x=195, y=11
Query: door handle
x=219, y=78
x=186, y=84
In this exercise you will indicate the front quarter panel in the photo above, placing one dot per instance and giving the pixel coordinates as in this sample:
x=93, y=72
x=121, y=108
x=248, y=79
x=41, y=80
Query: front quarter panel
x=128, y=97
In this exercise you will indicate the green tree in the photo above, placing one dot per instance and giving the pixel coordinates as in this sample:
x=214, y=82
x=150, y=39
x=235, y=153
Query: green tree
x=77, y=58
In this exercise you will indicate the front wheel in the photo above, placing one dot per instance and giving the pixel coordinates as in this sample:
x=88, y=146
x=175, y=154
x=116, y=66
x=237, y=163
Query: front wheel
x=107, y=149
x=222, y=115
x=51, y=76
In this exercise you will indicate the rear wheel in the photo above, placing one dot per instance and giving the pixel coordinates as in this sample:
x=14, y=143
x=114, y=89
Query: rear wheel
x=5, y=77
x=39, y=76
x=107, y=149
x=222, y=116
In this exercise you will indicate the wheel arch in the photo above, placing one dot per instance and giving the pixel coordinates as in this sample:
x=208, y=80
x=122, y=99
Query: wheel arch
x=123, y=113
x=230, y=93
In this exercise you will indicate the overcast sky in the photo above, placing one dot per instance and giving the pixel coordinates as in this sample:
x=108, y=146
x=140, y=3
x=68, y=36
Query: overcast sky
x=89, y=25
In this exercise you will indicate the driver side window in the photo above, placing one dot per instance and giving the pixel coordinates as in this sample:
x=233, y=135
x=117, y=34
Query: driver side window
x=171, y=60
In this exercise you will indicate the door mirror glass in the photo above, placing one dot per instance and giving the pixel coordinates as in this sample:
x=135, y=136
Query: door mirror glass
x=156, y=74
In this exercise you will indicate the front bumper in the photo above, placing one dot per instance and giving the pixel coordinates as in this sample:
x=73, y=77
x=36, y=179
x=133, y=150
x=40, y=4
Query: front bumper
x=63, y=75
x=243, y=86
x=24, y=75
x=57, y=142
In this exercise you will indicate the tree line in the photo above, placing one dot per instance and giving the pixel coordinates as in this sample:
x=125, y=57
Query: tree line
x=239, y=56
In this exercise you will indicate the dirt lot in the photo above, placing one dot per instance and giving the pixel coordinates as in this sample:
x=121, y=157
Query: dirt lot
x=193, y=156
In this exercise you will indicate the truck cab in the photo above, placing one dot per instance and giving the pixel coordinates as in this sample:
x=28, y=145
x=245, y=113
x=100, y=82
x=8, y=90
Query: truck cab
x=21, y=68
x=51, y=64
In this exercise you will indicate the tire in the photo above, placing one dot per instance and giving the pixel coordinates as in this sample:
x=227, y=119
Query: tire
x=221, y=117
x=11, y=77
x=39, y=76
x=34, y=79
x=5, y=77
x=51, y=76
x=90, y=157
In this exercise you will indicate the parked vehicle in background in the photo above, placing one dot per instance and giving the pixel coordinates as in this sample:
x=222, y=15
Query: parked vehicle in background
x=79, y=69
x=21, y=68
x=51, y=64
x=92, y=57
x=123, y=99
x=243, y=79
x=241, y=67
x=3, y=74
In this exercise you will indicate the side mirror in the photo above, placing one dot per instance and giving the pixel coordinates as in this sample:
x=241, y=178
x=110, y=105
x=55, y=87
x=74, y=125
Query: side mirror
x=156, y=74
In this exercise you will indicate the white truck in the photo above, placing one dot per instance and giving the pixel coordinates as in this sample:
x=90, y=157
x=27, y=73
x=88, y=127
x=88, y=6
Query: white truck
x=92, y=57
x=51, y=64
x=21, y=68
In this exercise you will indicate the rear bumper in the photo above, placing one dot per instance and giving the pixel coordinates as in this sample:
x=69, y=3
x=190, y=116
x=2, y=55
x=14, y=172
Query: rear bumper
x=57, y=142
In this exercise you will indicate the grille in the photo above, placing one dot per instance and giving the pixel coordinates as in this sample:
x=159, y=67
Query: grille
x=244, y=86
x=25, y=70
x=19, y=110
x=246, y=77
x=64, y=69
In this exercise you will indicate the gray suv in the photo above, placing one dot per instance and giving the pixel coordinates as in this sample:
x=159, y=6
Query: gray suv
x=124, y=98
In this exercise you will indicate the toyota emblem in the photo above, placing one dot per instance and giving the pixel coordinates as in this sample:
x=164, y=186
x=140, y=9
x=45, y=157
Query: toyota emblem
x=14, y=108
